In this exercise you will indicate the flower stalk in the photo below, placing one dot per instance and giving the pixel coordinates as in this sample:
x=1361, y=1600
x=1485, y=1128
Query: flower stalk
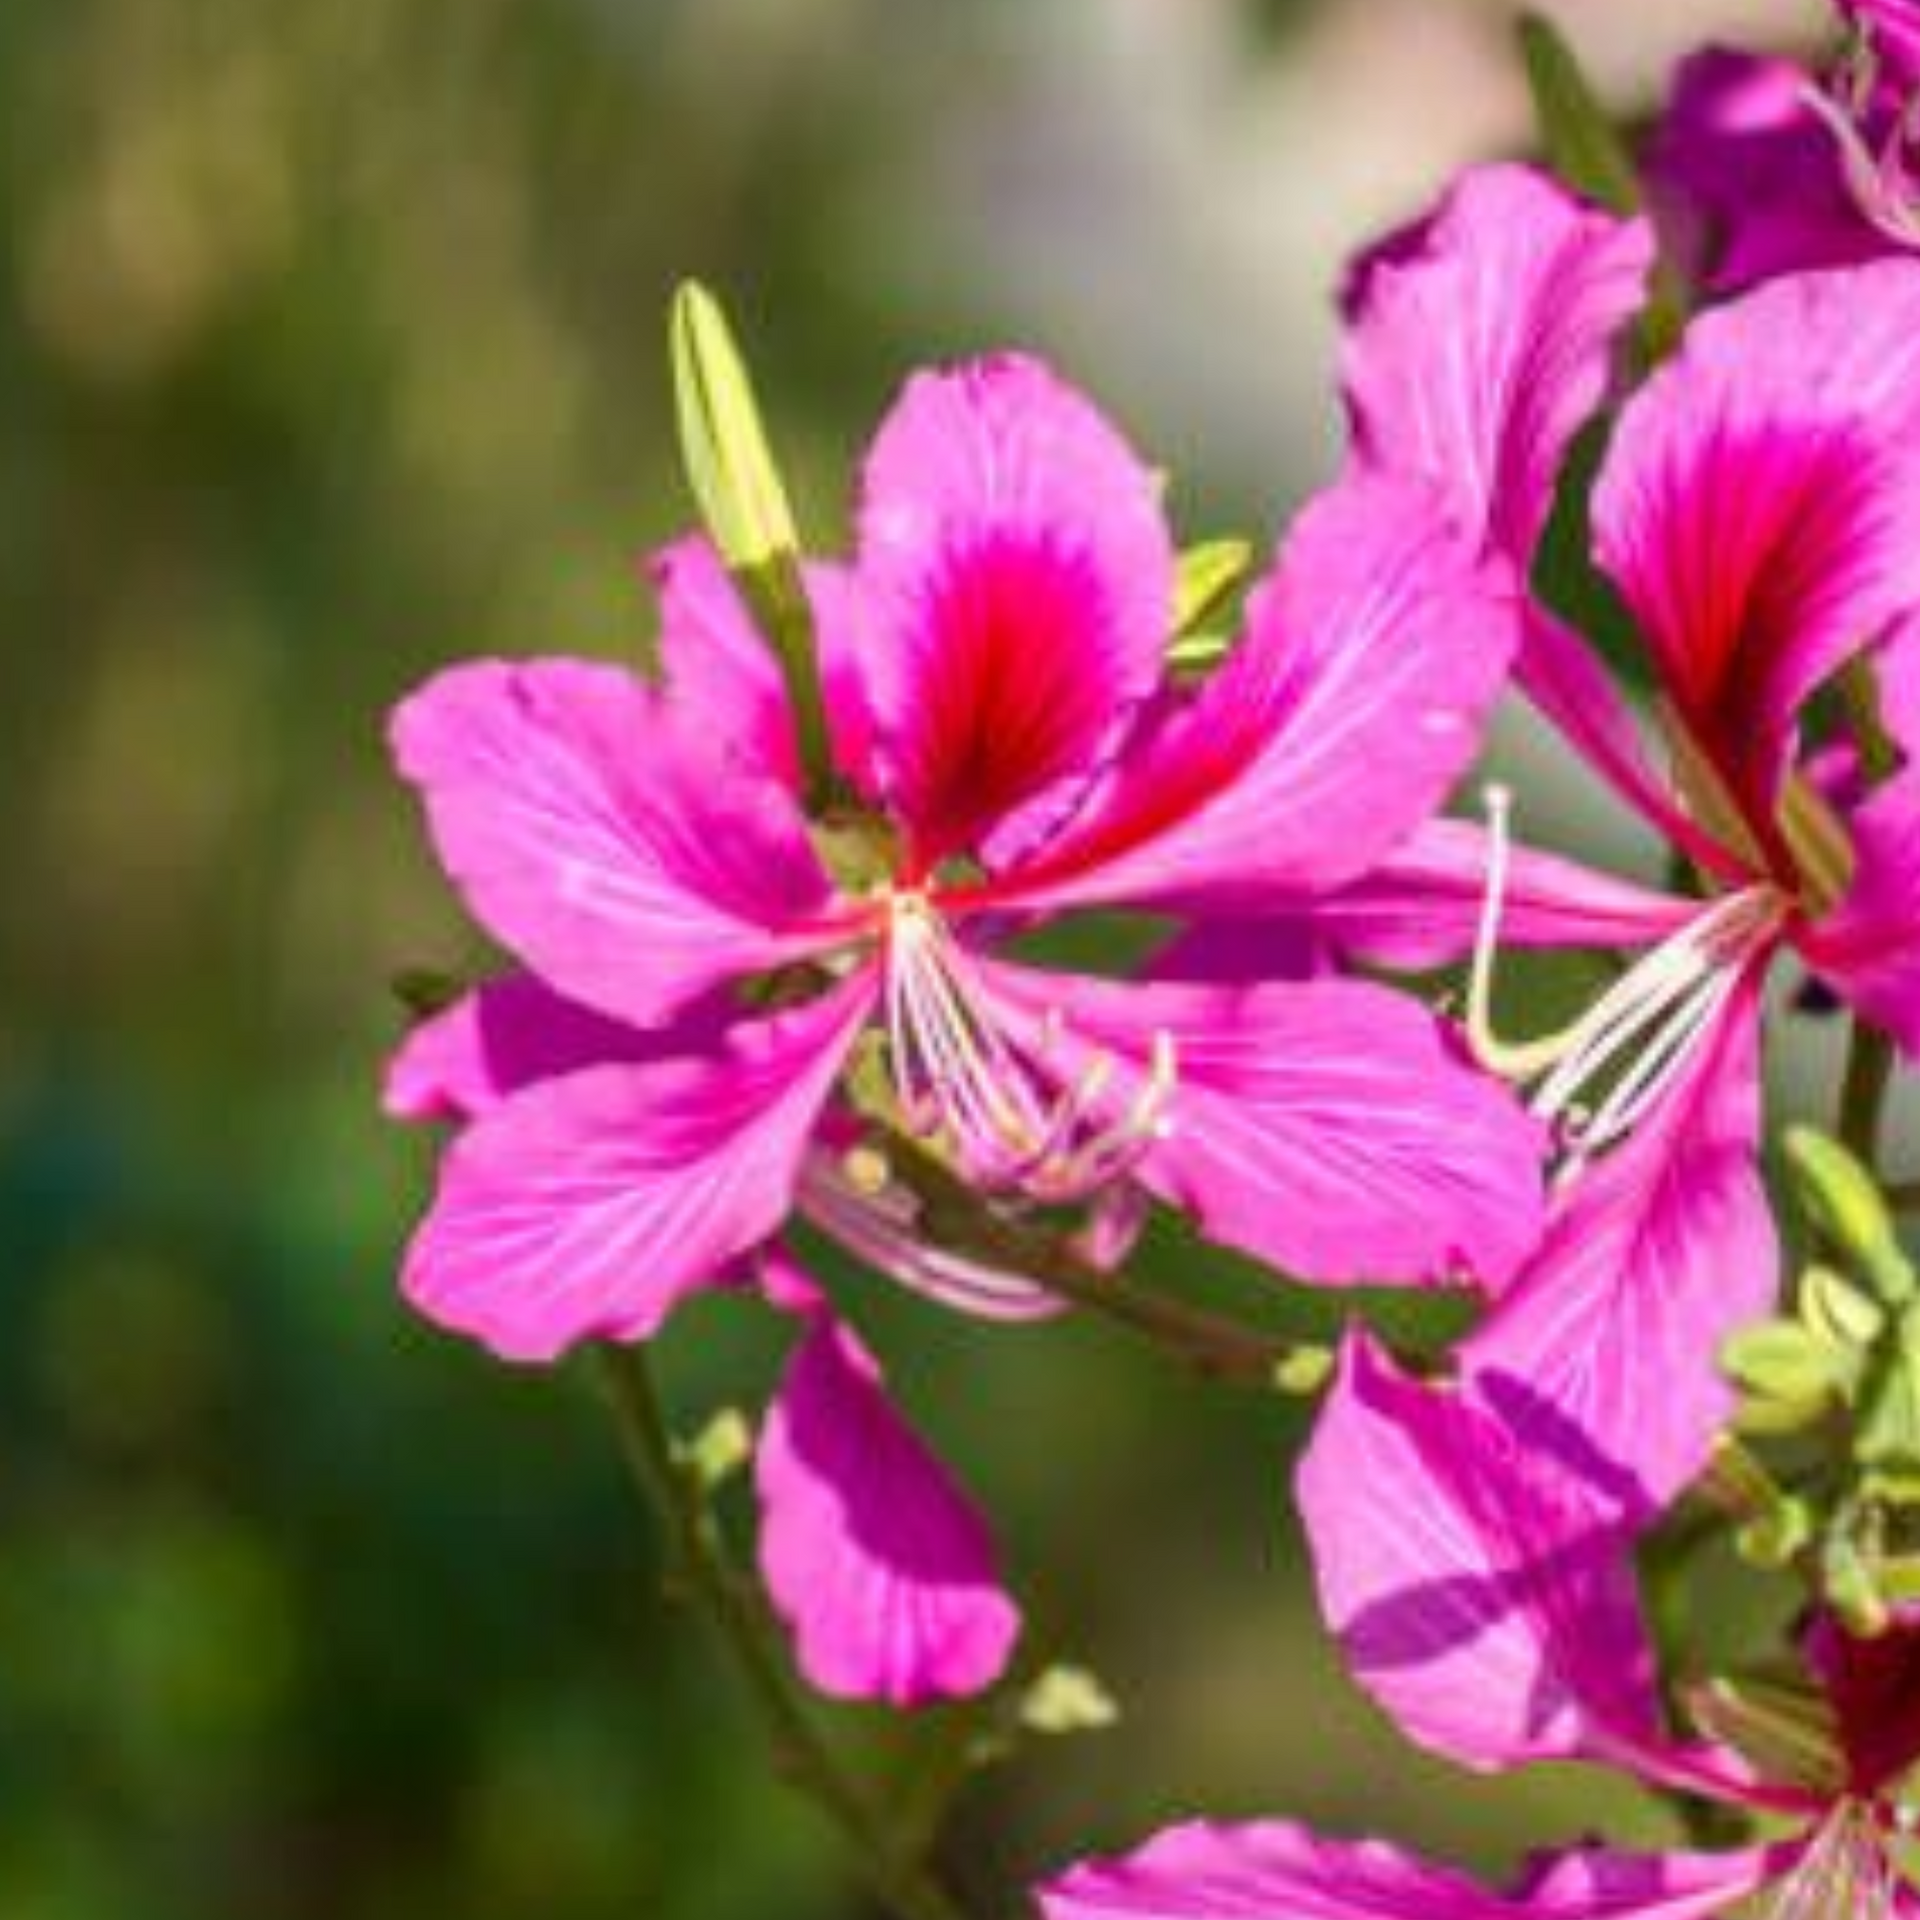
x=897, y=1874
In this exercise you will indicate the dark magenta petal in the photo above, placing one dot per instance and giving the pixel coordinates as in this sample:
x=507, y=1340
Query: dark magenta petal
x=1874, y=1685
x=1747, y=176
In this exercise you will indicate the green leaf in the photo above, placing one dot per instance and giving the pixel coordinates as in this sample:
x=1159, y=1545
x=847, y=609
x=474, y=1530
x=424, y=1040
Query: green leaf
x=1582, y=143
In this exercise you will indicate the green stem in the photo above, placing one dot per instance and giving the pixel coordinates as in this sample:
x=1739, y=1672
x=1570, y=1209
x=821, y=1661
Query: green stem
x=1863, y=1094
x=1209, y=1343
x=898, y=1878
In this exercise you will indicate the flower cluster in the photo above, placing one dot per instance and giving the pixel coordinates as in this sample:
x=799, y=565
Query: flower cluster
x=779, y=909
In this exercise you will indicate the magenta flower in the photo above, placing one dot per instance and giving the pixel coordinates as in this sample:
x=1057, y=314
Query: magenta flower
x=1761, y=170
x=1757, y=512
x=639, y=1124
x=1486, y=1599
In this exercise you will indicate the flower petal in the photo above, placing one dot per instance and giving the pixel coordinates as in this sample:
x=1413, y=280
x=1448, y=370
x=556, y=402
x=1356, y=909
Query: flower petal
x=1748, y=177
x=1373, y=653
x=1326, y=1126
x=587, y=1206
x=721, y=671
x=1485, y=341
x=1761, y=500
x=509, y=1034
x=1421, y=906
x=1481, y=1587
x=876, y=1561
x=1868, y=948
x=1016, y=578
x=1653, y=1256
x=1274, y=1870
x=630, y=864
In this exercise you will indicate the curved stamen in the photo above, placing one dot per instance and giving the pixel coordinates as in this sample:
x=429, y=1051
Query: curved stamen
x=1881, y=165
x=957, y=1075
x=1652, y=1018
x=1846, y=1874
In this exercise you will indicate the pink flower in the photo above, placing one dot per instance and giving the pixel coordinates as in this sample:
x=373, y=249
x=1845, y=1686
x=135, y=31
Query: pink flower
x=1002, y=707
x=1483, y=1591
x=1761, y=170
x=1757, y=512
x=648, y=1104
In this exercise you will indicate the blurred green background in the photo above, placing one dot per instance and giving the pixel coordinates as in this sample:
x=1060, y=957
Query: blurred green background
x=330, y=349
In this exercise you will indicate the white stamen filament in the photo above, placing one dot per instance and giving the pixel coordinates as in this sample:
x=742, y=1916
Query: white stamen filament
x=1847, y=1874
x=1653, y=1017
x=957, y=1074
x=1884, y=179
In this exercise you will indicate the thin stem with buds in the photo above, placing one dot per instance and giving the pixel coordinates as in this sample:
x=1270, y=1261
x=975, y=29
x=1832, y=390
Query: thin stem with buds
x=897, y=1874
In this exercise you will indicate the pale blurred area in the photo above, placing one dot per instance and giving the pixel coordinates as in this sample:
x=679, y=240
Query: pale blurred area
x=330, y=349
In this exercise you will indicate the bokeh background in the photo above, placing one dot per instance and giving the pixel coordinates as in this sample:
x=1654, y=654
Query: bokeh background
x=331, y=349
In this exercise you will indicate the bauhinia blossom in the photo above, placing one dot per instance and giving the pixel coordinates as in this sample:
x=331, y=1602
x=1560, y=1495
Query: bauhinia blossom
x=1757, y=512
x=1488, y=1604
x=1760, y=168
x=722, y=996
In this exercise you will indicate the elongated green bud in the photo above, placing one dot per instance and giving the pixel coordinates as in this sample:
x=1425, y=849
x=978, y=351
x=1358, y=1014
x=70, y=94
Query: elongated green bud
x=744, y=504
x=1208, y=576
x=1582, y=143
x=1850, y=1212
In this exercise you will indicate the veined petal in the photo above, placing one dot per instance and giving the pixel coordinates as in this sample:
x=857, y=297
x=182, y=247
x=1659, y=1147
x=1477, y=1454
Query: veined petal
x=1760, y=504
x=626, y=861
x=586, y=1207
x=1480, y=1585
x=1868, y=948
x=1899, y=668
x=1274, y=1870
x=1654, y=1254
x=508, y=1034
x=1016, y=582
x=1421, y=906
x=1484, y=340
x=1373, y=653
x=879, y=1565
x=1327, y=1126
x=722, y=675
